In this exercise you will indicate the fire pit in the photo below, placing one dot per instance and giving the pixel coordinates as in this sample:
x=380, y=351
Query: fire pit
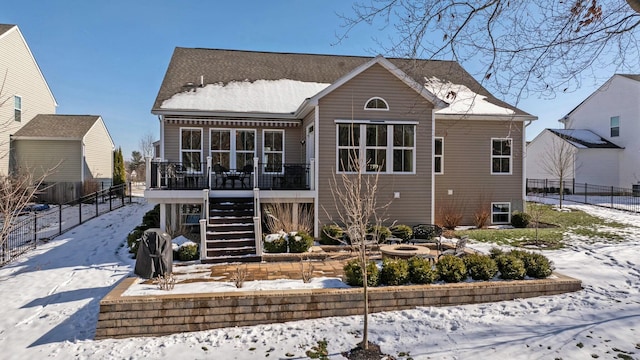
x=405, y=251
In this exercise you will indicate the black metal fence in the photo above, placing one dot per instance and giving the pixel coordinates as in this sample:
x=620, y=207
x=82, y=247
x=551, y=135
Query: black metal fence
x=599, y=195
x=41, y=223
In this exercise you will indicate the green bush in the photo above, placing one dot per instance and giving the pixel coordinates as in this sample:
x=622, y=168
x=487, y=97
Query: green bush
x=278, y=245
x=401, y=231
x=394, y=272
x=510, y=267
x=421, y=271
x=353, y=273
x=330, y=234
x=300, y=242
x=520, y=219
x=151, y=218
x=133, y=239
x=451, y=268
x=379, y=232
x=536, y=265
x=480, y=267
x=188, y=252
x=494, y=252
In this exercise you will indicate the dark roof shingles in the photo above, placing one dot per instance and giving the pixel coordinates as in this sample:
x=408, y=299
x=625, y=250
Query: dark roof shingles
x=5, y=27
x=58, y=126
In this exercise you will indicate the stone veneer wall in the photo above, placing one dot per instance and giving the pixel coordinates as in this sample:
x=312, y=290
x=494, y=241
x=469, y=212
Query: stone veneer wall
x=128, y=316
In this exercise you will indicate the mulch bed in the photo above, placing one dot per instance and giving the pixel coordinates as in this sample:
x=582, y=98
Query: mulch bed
x=373, y=352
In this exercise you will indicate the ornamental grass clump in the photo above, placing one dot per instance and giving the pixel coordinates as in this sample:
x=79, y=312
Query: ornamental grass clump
x=451, y=269
x=394, y=272
x=510, y=267
x=421, y=271
x=480, y=267
x=353, y=273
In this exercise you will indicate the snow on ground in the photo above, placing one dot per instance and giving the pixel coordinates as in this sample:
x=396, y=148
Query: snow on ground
x=51, y=298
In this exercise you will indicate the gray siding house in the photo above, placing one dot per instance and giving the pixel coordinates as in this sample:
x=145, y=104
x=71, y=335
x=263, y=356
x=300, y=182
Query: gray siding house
x=76, y=150
x=243, y=127
x=24, y=91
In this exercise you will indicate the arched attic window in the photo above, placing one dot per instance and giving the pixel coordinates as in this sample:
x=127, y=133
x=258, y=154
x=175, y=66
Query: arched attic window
x=376, y=103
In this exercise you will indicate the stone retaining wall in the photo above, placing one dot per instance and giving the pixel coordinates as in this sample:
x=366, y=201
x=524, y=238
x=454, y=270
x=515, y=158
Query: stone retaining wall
x=128, y=316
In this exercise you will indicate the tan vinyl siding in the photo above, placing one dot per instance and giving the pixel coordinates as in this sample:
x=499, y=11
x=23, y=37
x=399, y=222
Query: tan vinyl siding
x=23, y=78
x=98, y=151
x=292, y=136
x=42, y=155
x=467, y=167
x=346, y=103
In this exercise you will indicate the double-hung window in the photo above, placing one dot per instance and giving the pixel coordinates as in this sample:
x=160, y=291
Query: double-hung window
x=387, y=148
x=273, y=150
x=501, y=156
x=245, y=148
x=501, y=213
x=221, y=147
x=438, y=155
x=191, y=149
x=232, y=148
x=17, y=108
x=615, y=126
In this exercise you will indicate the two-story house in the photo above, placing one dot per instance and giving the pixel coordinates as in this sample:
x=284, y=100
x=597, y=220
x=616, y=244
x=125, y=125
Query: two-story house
x=243, y=127
x=603, y=132
x=24, y=92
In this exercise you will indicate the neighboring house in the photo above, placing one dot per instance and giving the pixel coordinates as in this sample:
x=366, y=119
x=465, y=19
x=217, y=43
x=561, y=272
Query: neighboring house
x=24, y=92
x=612, y=112
x=77, y=150
x=240, y=129
x=582, y=155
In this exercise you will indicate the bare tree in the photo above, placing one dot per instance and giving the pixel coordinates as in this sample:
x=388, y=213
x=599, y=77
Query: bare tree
x=357, y=208
x=515, y=47
x=559, y=161
x=146, y=145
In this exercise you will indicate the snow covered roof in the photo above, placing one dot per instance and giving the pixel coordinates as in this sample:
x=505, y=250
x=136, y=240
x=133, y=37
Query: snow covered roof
x=584, y=139
x=266, y=82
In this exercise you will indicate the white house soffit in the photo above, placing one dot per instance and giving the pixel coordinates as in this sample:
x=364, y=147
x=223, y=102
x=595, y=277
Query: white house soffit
x=15, y=28
x=438, y=104
x=45, y=138
x=457, y=117
x=233, y=122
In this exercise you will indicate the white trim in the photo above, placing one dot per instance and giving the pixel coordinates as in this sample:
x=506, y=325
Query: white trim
x=376, y=109
x=491, y=156
x=482, y=117
x=161, y=119
x=433, y=176
x=388, y=122
x=501, y=213
x=264, y=162
x=316, y=162
x=180, y=150
x=441, y=155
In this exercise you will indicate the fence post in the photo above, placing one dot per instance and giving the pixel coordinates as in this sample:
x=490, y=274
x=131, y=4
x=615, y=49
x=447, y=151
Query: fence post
x=612, y=197
x=97, y=211
x=80, y=211
x=585, y=193
x=35, y=230
x=130, y=189
x=545, y=187
x=60, y=219
x=122, y=195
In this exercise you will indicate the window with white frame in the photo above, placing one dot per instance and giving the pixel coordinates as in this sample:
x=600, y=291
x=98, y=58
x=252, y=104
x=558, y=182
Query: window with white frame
x=501, y=156
x=403, y=148
x=615, y=126
x=17, y=108
x=245, y=148
x=501, y=213
x=376, y=103
x=191, y=149
x=221, y=147
x=438, y=155
x=381, y=144
x=273, y=150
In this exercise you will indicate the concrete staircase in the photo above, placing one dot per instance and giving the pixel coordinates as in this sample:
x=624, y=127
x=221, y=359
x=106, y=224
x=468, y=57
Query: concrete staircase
x=230, y=235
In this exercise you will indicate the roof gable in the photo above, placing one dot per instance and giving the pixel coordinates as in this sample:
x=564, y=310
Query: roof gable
x=193, y=69
x=605, y=85
x=51, y=126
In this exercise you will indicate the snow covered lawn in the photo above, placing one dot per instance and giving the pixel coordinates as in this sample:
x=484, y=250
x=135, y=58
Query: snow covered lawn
x=50, y=304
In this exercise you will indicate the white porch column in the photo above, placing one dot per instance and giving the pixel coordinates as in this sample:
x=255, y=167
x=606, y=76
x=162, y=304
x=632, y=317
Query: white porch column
x=203, y=239
x=163, y=217
x=255, y=173
x=312, y=174
x=147, y=173
x=205, y=205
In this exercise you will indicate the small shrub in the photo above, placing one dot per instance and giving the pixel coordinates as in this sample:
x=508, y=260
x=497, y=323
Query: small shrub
x=239, y=276
x=331, y=234
x=275, y=244
x=481, y=218
x=379, y=232
x=402, y=231
x=451, y=268
x=133, y=239
x=151, y=218
x=510, y=267
x=536, y=265
x=421, y=271
x=353, y=273
x=480, y=267
x=299, y=242
x=394, y=272
x=188, y=251
x=306, y=271
x=494, y=252
x=520, y=220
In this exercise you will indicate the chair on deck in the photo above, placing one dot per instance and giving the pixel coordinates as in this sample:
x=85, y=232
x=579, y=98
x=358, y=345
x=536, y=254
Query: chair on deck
x=294, y=176
x=245, y=175
x=459, y=249
x=428, y=233
x=220, y=175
